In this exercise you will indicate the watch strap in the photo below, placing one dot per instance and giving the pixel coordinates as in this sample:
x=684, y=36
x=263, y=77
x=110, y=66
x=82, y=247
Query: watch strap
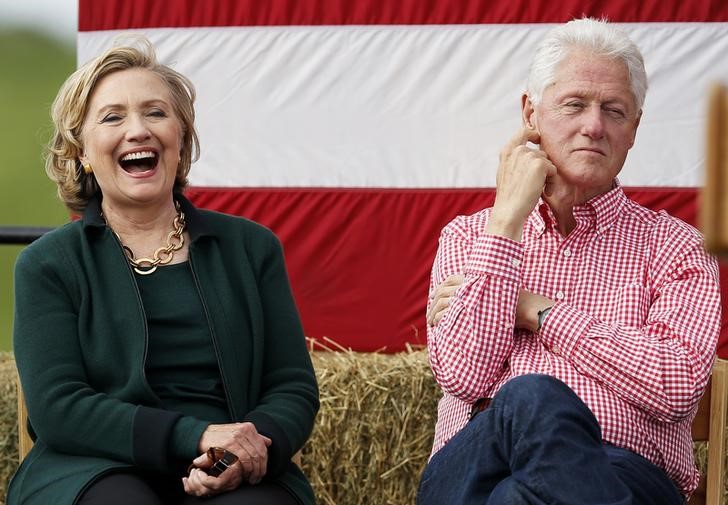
x=542, y=317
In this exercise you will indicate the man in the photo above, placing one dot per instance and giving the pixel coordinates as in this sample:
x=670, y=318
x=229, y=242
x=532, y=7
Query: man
x=571, y=330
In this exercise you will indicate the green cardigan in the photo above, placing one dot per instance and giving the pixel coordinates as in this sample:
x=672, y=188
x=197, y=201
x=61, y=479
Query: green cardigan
x=80, y=342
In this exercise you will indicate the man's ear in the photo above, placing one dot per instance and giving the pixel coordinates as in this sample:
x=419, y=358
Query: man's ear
x=636, y=125
x=528, y=113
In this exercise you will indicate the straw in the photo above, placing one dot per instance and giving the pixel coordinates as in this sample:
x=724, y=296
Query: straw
x=372, y=436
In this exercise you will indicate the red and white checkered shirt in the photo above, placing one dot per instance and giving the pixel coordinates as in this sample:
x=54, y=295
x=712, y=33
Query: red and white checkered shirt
x=633, y=331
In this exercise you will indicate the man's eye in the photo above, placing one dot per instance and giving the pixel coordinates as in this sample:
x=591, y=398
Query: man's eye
x=615, y=112
x=575, y=105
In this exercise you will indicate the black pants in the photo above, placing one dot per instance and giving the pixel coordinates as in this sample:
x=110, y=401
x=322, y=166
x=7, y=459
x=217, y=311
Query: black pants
x=125, y=488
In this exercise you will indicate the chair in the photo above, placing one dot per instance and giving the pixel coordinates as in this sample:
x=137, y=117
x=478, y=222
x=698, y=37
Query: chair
x=710, y=425
x=25, y=443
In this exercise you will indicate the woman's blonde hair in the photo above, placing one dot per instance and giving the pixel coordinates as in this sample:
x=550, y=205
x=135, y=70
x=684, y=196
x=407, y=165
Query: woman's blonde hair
x=75, y=187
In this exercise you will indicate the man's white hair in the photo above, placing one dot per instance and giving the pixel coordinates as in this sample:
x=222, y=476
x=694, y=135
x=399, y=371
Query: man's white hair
x=596, y=36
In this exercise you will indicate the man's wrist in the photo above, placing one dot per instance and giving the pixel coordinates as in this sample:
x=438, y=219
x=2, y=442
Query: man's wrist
x=541, y=317
x=504, y=227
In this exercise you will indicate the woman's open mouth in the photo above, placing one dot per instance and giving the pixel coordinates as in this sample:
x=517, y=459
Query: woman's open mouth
x=139, y=162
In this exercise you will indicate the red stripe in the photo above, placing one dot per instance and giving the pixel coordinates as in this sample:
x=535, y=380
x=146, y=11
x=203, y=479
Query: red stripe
x=130, y=14
x=360, y=259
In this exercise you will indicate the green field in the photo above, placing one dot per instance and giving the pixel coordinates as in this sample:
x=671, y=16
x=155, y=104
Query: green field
x=32, y=68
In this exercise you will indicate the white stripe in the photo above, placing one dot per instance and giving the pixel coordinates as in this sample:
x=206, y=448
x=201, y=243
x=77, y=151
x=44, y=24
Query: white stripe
x=409, y=106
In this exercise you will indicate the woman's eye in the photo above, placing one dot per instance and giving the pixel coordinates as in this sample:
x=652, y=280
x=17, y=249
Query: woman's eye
x=157, y=113
x=109, y=118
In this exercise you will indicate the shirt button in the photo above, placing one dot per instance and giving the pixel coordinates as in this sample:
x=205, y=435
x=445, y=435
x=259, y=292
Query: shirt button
x=567, y=253
x=556, y=350
x=559, y=295
x=516, y=263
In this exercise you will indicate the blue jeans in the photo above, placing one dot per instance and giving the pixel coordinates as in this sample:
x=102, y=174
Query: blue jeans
x=539, y=444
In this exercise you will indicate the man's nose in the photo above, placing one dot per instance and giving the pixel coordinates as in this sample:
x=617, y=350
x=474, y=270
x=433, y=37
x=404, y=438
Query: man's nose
x=593, y=122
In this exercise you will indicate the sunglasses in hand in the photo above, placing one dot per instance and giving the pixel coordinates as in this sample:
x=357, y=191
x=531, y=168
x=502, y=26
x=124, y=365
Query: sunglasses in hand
x=221, y=459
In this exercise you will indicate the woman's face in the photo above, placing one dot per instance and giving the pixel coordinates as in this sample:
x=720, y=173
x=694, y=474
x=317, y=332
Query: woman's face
x=132, y=138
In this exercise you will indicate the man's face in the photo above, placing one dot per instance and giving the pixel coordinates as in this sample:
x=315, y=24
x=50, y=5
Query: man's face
x=587, y=121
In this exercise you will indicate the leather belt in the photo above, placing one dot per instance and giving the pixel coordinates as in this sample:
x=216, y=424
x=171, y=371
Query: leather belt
x=479, y=406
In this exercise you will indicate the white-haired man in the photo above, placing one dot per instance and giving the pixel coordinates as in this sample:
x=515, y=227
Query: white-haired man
x=571, y=330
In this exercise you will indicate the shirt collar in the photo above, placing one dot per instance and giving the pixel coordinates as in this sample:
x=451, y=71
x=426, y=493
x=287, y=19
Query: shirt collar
x=602, y=211
x=196, y=223
x=608, y=207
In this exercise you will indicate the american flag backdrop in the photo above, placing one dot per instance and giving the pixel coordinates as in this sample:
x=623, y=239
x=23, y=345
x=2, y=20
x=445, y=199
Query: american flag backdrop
x=356, y=129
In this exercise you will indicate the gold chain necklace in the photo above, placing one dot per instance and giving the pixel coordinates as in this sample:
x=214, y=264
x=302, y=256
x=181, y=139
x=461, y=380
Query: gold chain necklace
x=163, y=255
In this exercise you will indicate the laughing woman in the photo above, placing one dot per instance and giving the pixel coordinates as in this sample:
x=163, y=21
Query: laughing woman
x=153, y=338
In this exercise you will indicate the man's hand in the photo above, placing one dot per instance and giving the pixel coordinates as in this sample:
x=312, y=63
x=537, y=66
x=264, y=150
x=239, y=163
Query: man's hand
x=521, y=178
x=245, y=442
x=441, y=298
x=529, y=304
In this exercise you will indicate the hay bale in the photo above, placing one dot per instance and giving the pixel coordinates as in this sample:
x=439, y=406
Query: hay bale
x=374, y=431
x=371, y=440
x=700, y=450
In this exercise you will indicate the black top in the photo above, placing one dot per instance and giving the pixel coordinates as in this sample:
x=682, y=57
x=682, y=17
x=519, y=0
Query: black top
x=181, y=364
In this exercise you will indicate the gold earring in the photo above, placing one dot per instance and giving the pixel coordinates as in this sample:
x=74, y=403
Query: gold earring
x=87, y=169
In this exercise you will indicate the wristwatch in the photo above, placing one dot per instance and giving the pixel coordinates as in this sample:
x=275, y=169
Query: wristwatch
x=542, y=317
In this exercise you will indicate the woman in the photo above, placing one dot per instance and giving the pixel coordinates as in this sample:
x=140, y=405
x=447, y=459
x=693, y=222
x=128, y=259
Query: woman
x=150, y=331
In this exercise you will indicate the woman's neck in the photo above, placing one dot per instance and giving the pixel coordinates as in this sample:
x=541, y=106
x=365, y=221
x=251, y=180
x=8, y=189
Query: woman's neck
x=142, y=229
x=137, y=219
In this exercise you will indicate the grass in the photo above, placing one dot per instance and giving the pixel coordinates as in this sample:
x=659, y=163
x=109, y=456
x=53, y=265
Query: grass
x=32, y=68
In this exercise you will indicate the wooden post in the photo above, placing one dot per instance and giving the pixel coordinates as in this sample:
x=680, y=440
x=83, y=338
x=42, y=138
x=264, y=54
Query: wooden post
x=25, y=443
x=714, y=205
x=715, y=486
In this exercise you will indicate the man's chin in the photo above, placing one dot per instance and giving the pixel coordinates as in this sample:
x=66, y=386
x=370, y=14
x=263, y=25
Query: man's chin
x=586, y=183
